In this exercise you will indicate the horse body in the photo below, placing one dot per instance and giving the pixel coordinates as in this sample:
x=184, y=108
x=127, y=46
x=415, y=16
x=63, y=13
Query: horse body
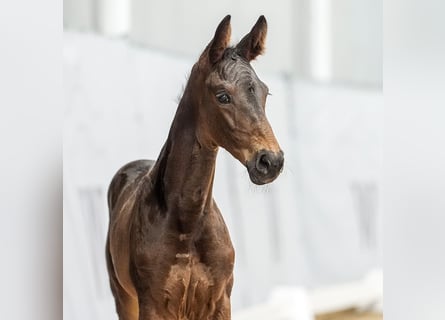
x=169, y=253
x=179, y=257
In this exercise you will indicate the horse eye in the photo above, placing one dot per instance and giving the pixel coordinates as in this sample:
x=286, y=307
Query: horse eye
x=223, y=98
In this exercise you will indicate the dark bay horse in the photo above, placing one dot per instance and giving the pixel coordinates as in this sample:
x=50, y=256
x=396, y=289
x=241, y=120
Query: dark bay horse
x=169, y=253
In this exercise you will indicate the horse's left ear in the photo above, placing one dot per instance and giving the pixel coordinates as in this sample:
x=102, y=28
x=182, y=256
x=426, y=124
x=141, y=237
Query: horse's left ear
x=253, y=44
x=215, y=49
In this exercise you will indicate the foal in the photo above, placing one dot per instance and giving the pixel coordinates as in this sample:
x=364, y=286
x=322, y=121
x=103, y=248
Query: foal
x=169, y=253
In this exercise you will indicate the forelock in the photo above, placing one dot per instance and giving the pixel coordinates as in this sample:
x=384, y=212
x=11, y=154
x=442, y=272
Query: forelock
x=235, y=68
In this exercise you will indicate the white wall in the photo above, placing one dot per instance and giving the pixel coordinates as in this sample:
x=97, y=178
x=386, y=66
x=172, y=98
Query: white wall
x=357, y=41
x=79, y=15
x=323, y=40
x=182, y=28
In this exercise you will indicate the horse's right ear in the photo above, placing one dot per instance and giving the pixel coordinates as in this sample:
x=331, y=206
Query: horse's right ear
x=215, y=49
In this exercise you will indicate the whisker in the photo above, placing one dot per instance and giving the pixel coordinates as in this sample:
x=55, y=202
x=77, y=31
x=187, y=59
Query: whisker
x=259, y=189
x=289, y=170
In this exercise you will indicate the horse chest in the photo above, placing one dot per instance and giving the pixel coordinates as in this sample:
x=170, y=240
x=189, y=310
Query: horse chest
x=194, y=290
x=189, y=274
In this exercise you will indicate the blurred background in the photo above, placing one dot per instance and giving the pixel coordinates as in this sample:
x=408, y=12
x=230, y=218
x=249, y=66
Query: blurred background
x=308, y=246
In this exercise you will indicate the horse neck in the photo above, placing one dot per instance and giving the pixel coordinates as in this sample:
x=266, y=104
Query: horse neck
x=185, y=169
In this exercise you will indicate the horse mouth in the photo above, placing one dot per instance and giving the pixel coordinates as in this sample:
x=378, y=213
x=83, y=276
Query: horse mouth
x=265, y=166
x=260, y=179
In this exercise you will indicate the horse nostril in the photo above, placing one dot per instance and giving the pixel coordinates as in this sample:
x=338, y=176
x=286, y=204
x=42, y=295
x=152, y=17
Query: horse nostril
x=263, y=163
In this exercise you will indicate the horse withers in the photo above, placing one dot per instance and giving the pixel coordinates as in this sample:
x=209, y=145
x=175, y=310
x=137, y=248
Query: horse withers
x=169, y=252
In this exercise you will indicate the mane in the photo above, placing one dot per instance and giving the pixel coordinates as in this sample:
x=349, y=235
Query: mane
x=181, y=91
x=233, y=59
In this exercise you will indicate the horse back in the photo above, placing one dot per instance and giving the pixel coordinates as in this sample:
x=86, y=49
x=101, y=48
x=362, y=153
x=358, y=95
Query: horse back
x=124, y=177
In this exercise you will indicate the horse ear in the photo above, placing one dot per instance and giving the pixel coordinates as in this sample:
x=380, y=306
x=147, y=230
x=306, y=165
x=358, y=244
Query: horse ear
x=215, y=49
x=253, y=44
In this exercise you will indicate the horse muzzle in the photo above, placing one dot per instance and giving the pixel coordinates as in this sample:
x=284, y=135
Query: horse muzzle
x=265, y=166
